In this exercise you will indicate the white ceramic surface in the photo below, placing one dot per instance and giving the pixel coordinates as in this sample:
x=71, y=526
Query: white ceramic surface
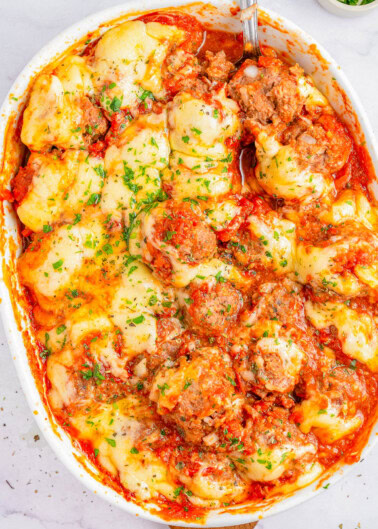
x=63, y=448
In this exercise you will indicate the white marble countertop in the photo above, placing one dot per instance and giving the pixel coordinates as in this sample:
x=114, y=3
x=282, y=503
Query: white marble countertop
x=36, y=491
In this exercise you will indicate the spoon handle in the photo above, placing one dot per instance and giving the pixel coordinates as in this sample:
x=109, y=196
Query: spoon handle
x=250, y=34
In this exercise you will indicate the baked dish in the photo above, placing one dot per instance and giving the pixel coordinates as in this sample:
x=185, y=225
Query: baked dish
x=199, y=263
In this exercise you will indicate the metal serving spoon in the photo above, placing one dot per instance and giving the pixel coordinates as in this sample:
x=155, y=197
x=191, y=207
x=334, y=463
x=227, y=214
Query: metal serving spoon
x=250, y=35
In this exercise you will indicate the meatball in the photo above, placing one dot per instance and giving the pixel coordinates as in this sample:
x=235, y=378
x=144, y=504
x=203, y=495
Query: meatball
x=324, y=146
x=180, y=71
x=343, y=261
x=268, y=91
x=175, y=237
x=278, y=303
x=272, y=364
x=197, y=393
x=183, y=230
x=331, y=408
x=218, y=68
x=270, y=340
x=273, y=447
x=212, y=307
x=94, y=122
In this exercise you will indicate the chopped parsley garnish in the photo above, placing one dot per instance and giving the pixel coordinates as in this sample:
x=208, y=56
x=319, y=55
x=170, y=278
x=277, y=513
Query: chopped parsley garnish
x=58, y=264
x=138, y=319
x=100, y=171
x=146, y=94
x=115, y=104
x=163, y=388
x=231, y=380
x=168, y=235
x=94, y=199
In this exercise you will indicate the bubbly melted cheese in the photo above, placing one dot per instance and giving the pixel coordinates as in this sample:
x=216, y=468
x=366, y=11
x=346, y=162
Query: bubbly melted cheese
x=279, y=174
x=133, y=166
x=52, y=270
x=114, y=431
x=199, y=128
x=356, y=331
x=198, y=179
x=278, y=236
x=269, y=464
x=351, y=205
x=54, y=114
x=136, y=301
x=128, y=61
x=319, y=265
x=61, y=188
x=326, y=420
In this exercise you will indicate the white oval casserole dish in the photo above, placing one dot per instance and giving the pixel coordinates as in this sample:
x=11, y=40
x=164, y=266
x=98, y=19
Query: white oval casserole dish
x=275, y=31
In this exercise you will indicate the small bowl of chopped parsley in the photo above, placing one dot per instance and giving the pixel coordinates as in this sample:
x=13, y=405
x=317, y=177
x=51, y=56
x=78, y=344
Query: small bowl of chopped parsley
x=349, y=8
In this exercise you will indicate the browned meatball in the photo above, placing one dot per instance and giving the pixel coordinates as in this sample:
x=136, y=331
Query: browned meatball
x=267, y=91
x=218, y=68
x=94, y=123
x=273, y=340
x=211, y=307
x=180, y=71
x=197, y=394
x=271, y=365
x=179, y=234
x=324, y=146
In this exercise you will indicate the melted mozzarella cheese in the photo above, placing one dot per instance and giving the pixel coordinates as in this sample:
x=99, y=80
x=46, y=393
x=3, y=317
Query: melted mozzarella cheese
x=351, y=205
x=199, y=128
x=144, y=142
x=368, y=274
x=279, y=174
x=357, y=331
x=53, y=115
x=269, y=464
x=128, y=61
x=60, y=188
x=63, y=391
x=54, y=268
x=139, y=297
x=278, y=236
x=85, y=321
x=211, y=488
x=327, y=422
x=133, y=166
x=221, y=212
x=191, y=177
x=315, y=264
x=114, y=431
x=291, y=355
x=313, y=97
